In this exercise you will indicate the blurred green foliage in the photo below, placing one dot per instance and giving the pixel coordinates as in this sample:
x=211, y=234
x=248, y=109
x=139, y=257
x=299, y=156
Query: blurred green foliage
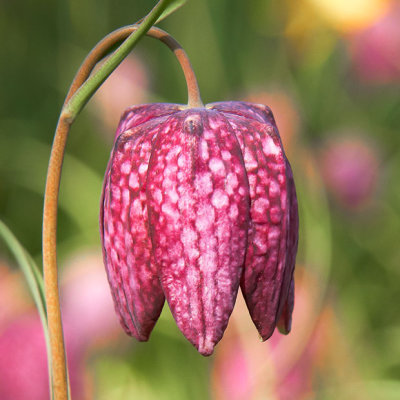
x=236, y=48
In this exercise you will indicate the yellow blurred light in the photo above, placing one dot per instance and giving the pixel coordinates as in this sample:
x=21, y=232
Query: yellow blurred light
x=350, y=15
x=312, y=41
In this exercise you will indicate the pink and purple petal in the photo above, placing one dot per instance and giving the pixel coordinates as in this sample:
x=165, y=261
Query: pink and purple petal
x=286, y=303
x=285, y=320
x=128, y=258
x=250, y=111
x=198, y=206
x=137, y=115
x=263, y=281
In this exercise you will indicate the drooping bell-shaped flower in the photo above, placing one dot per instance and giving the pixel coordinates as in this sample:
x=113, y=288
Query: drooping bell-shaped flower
x=197, y=202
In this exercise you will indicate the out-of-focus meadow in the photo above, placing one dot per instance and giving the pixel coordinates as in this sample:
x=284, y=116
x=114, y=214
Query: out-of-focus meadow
x=330, y=71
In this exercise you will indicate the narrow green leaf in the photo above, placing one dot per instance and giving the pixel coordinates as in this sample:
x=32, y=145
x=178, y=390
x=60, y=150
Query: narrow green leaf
x=33, y=278
x=171, y=8
x=39, y=282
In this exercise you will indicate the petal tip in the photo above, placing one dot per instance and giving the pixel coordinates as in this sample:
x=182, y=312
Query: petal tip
x=267, y=335
x=142, y=338
x=284, y=324
x=205, y=348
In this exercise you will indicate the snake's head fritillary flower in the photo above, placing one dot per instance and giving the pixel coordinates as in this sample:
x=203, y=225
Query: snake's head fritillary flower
x=197, y=202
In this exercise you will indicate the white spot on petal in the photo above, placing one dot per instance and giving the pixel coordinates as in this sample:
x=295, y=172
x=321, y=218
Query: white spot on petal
x=126, y=167
x=116, y=193
x=158, y=197
x=249, y=161
x=233, y=212
x=143, y=168
x=261, y=205
x=203, y=184
x=173, y=195
x=203, y=150
x=183, y=161
x=125, y=196
x=217, y=166
x=133, y=180
x=173, y=153
x=219, y=199
x=170, y=210
x=226, y=155
x=136, y=208
x=269, y=147
x=231, y=183
x=274, y=189
x=205, y=217
x=273, y=233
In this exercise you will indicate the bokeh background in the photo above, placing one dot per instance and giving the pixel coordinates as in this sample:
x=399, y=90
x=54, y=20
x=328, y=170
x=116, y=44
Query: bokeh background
x=330, y=71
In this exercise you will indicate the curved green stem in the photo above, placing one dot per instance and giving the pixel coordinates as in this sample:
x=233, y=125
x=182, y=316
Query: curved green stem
x=86, y=91
x=103, y=47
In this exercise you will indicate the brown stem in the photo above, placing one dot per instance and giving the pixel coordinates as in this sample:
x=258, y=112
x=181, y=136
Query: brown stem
x=103, y=47
x=59, y=371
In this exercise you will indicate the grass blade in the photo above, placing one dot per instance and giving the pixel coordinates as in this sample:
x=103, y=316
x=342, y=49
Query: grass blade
x=34, y=280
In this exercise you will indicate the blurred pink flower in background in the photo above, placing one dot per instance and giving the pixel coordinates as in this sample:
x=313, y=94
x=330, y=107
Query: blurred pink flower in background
x=289, y=367
x=12, y=287
x=285, y=111
x=350, y=168
x=127, y=86
x=87, y=307
x=375, y=51
x=231, y=377
x=88, y=319
x=281, y=369
x=23, y=362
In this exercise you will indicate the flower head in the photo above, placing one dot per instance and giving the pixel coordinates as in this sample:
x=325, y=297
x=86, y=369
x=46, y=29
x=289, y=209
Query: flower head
x=197, y=202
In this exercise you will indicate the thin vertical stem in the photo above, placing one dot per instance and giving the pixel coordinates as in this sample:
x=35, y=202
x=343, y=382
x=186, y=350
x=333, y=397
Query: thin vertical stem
x=58, y=361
